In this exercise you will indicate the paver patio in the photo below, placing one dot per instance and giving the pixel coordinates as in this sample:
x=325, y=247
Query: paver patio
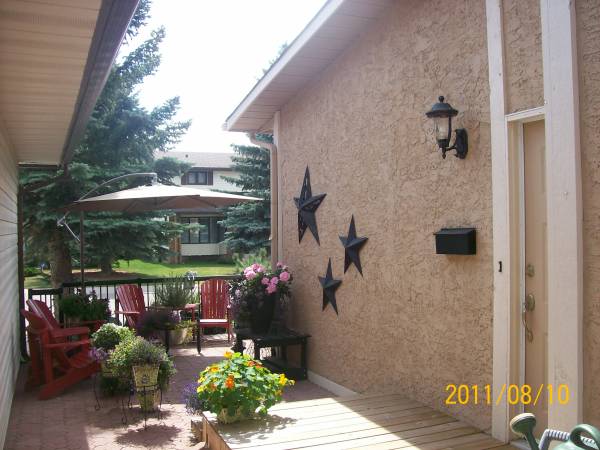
x=69, y=422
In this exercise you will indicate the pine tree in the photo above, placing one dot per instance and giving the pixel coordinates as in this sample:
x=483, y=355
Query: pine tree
x=248, y=224
x=121, y=137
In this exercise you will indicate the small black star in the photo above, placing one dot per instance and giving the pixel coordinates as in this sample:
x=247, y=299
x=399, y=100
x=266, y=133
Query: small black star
x=329, y=287
x=352, y=245
x=307, y=206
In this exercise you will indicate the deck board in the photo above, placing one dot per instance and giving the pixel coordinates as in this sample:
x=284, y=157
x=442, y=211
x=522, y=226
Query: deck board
x=376, y=421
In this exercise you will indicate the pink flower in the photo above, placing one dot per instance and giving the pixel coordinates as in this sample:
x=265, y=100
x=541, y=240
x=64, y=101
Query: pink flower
x=284, y=276
x=279, y=265
x=265, y=281
x=250, y=275
x=271, y=288
x=274, y=281
x=257, y=268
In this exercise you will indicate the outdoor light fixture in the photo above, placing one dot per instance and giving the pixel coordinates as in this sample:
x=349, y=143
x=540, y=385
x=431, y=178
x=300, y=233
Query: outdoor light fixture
x=442, y=114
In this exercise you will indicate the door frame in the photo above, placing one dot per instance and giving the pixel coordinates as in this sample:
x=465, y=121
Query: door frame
x=564, y=215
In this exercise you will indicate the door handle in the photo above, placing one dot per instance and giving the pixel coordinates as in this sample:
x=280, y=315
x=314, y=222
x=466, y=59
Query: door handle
x=528, y=306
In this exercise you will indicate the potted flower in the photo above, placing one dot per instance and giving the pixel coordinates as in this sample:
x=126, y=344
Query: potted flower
x=147, y=365
x=239, y=388
x=104, y=341
x=256, y=294
x=180, y=331
x=175, y=294
x=78, y=308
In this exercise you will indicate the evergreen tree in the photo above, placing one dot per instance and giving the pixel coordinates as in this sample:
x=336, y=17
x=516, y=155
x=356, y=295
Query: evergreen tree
x=248, y=224
x=121, y=137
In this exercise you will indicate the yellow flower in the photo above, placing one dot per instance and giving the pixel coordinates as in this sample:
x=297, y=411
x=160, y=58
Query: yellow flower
x=228, y=355
x=214, y=369
x=201, y=380
x=282, y=380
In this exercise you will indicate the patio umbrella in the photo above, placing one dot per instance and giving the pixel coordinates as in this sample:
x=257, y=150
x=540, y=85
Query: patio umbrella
x=155, y=197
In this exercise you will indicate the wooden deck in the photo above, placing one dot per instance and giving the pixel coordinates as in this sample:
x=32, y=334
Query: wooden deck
x=362, y=421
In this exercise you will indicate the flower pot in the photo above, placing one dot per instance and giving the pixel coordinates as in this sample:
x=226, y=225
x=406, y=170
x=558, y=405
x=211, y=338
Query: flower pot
x=148, y=399
x=145, y=376
x=106, y=370
x=177, y=337
x=261, y=313
x=224, y=417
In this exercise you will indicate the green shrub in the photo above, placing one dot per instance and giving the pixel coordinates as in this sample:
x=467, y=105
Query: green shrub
x=137, y=352
x=175, y=294
x=84, y=308
x=31, y=271
x=110, y=335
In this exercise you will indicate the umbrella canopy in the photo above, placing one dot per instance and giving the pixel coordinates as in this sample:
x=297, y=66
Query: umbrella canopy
x=157, y=197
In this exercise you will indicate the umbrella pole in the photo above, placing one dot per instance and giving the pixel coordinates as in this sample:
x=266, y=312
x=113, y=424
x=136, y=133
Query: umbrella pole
x=81, y=243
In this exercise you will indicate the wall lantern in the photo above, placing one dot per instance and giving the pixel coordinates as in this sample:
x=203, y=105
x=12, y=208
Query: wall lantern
x=442, y=114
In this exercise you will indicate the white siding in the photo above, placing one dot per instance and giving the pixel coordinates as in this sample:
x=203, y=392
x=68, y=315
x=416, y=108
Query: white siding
x=9, y=311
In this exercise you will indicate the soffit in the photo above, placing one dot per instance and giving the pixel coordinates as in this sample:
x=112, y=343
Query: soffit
x=328, y=34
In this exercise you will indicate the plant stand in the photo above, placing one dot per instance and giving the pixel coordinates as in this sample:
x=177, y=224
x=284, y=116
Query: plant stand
x=146, y=390
x=280, y=341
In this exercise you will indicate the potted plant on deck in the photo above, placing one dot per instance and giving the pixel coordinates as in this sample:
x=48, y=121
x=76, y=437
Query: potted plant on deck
x=147, y=365
x=104, y=341
x=239, y=388
x=78, y=309
x=258, y=294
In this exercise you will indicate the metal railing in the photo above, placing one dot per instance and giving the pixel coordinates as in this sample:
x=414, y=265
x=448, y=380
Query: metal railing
x=106, y=289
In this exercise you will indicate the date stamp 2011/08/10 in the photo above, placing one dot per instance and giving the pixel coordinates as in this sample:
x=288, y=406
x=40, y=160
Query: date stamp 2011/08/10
x=514, y=394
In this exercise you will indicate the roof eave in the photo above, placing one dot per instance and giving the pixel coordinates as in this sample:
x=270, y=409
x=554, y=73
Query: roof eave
x=113, y=20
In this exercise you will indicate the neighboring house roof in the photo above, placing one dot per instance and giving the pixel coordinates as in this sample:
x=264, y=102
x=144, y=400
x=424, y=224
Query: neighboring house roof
x=204, y=160
x=326, y=36
x=55, y=57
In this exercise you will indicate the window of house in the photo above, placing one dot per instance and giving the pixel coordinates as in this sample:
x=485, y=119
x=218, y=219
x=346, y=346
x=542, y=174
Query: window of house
x=208, y=232
x=202, y=177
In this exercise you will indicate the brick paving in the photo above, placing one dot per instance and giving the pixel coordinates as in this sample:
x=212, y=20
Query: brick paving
x=70, y=422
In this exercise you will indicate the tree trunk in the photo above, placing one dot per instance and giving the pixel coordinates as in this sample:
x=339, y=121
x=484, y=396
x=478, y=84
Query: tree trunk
x=60, y=259
x=106, y=265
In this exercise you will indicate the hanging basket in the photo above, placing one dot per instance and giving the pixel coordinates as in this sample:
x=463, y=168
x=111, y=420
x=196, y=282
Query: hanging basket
x=145, y=376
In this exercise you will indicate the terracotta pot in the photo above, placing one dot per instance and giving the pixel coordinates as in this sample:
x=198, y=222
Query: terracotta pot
x=145, y=376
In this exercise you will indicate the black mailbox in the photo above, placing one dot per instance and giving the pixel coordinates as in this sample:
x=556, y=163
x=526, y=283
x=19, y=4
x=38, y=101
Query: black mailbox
x=455, y=241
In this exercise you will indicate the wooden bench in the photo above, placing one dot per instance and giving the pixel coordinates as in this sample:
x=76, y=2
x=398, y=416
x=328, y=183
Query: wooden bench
x=378, y=421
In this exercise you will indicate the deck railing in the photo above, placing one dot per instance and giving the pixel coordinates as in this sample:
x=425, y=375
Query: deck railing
x=107, y=289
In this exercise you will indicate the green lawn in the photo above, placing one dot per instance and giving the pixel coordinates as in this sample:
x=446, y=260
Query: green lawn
x=150, y=269
x=138, y=268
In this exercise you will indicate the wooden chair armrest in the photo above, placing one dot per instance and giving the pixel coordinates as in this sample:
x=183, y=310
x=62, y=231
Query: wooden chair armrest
x=66, y=332
x=68, y=345
x=128, y=313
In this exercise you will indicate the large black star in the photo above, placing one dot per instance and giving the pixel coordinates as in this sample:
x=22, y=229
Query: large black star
x=352, y=245
x=329, y=287
x=307, y=206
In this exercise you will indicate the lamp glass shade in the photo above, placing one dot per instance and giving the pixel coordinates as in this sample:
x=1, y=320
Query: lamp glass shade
x=443, y=130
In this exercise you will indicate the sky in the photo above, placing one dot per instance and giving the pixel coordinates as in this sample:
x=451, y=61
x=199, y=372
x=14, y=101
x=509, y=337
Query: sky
x=213, y=54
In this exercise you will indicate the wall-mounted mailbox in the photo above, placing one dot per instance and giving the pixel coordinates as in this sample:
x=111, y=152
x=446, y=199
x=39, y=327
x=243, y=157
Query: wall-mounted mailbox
x=455, y=241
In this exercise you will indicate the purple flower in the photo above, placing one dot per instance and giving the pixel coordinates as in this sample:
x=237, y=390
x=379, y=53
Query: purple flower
x=238, y=293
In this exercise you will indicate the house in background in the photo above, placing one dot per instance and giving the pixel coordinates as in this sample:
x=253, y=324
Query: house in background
x=348, y=99
x=207, y=172
x=55, y=57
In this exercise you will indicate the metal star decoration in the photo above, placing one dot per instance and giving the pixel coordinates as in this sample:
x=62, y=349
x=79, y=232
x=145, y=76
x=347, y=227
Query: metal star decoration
x=329, y=287
x=352, y=245
x=307, y=205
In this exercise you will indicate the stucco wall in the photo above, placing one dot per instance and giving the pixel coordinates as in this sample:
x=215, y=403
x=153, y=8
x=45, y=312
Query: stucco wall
x=588, y=34
x=523, y=55
x=9, y=331
x=417, y=321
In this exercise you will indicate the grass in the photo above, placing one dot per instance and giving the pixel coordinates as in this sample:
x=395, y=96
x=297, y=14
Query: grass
x=151, y=269
x=138, y=268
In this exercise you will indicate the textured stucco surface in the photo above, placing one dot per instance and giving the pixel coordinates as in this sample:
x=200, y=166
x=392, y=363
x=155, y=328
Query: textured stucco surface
x=523, y=55
x=361, y=129
x=588, y=36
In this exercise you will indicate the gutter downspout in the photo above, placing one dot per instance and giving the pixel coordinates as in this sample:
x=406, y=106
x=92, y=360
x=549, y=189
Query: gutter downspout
x=274, y=194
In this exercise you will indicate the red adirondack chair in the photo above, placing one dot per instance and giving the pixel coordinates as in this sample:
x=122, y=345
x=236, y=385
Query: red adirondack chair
x=41, y=309
x=131, y=299
x=48, y=350
x=214, y=310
